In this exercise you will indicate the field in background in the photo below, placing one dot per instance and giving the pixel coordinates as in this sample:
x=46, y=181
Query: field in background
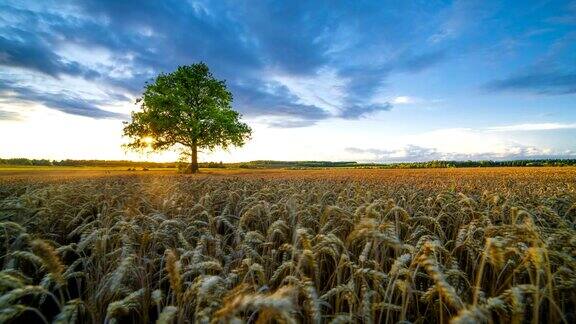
x=33, y=168
x=273, y=164
x=420, y=245
x=39, y=172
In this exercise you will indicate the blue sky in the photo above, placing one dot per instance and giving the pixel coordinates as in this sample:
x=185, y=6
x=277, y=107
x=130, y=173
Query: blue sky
x=322, y=80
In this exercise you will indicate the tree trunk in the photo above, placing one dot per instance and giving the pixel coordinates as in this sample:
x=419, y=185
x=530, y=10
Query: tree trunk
x=194, y=158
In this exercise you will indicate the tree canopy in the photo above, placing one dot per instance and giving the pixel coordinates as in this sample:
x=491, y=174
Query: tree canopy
x=189, y=109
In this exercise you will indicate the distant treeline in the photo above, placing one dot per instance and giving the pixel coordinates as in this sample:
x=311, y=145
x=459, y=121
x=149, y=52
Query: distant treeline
x=268, y=164
x=404, y=165
x=102, y=163
x=469, y=164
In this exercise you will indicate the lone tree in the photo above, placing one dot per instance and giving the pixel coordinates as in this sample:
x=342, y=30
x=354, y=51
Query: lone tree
x=189, y=109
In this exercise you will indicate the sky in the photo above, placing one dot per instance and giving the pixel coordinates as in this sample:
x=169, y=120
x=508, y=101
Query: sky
x=370, y=81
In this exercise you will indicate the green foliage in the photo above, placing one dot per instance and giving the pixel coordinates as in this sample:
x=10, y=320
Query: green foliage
x=269, y=164
x=24, y=161
x=187, y=108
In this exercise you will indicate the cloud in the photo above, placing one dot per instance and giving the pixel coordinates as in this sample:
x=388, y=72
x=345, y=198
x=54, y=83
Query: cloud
x=362, y=110
x=364, y=80
x=27, y=51
x=120, y=28
x=272, y=99
x=9, y=115
x=325, y=89
x=532, y=127
x=466, y=144
x=63, y=101
x=241, y=42
x=290, y=123
x=287, y=35
x=415, y=153
x=547, y=83
x=409, y=153
x=403, y=100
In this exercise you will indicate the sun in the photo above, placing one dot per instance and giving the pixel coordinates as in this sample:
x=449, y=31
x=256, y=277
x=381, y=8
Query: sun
x=148, y=140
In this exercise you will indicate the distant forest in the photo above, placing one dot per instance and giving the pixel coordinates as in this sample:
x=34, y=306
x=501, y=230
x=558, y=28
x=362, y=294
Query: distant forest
x=268, y=164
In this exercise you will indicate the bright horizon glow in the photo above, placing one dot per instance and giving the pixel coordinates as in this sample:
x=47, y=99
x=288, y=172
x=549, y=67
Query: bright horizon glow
x=366, y=82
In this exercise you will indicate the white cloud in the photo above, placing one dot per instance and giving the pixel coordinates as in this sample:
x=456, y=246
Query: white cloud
x=460, y=144
x=106, y=97
x=403, y=100
x=532, y=127
x=324, y=90
x=415, y=153
x=98, y=58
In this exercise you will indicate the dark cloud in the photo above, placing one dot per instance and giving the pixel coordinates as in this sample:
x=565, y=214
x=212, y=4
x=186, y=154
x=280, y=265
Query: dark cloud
x=28, y=45
x=62, y=101
x=362, y=110
x=71, y=104
x=241, y=42
x=548, y=83
x=259, y=99
x=26, y=50
x=164, y=34
x=363, y=81
x=289, y=34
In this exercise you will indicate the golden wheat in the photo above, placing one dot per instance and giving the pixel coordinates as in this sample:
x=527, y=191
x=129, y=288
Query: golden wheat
x=460, y=246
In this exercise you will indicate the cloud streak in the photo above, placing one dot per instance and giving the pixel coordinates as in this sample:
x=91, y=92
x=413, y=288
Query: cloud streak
x=63, y=101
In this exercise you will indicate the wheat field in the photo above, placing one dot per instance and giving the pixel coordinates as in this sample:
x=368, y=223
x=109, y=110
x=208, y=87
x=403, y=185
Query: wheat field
x=319, y=246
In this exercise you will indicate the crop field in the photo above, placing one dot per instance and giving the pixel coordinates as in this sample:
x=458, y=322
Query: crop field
x=490, y=245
